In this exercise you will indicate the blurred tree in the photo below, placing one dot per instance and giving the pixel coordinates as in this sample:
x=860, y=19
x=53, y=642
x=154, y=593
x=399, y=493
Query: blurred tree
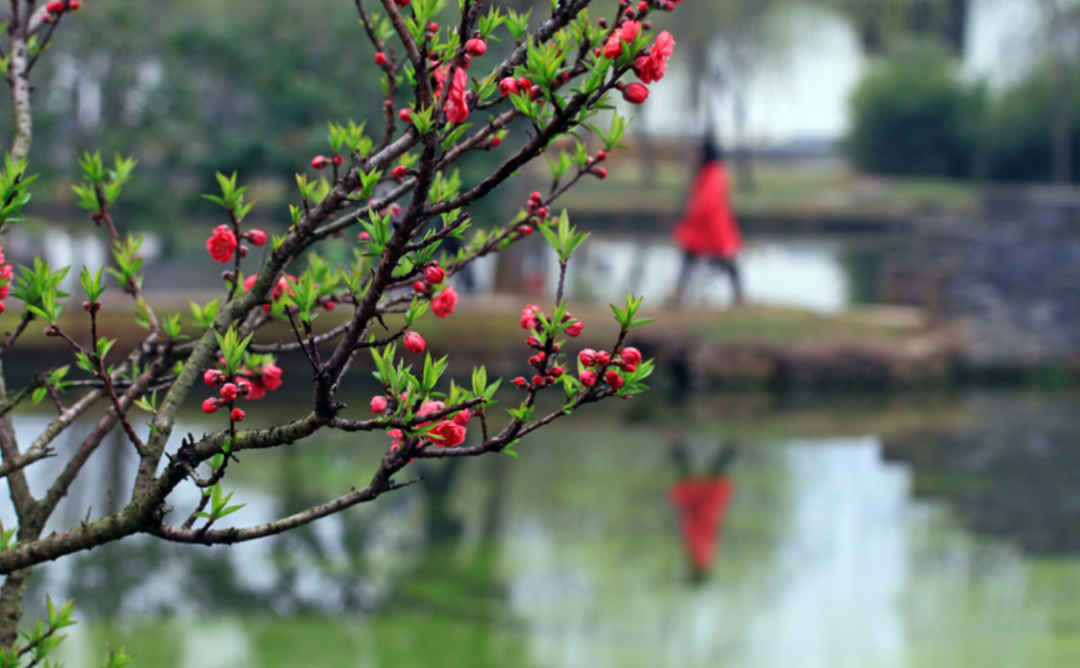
x=913, y=115
x=213, y=91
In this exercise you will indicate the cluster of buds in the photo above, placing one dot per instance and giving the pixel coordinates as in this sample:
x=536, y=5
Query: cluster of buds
x=444, y=304
x=593, y=165
x=510, y=86
x=597, y=365
x=447, y=433
x=547, y=368
x=228, y=392
x=322, y=162
x=58, y=7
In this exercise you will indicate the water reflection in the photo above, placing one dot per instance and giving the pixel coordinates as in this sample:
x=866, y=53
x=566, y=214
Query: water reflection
x=701, y=499
x=849, y=543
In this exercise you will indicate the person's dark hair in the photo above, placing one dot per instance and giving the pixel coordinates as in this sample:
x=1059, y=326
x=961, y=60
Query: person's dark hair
x=711, y=151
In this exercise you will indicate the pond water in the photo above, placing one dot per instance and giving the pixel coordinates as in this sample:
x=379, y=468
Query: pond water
x=904, y=532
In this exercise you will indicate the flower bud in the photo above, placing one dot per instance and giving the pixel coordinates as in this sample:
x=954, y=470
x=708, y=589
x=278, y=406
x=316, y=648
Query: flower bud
x=213, y=377
x=378, y=404
x=635, y=93
x=237, y=415
x=229, y=391
x=380, y=59
x=434, y=275
x=603, y=359
x=587, y=357
x=614, y=379
x=631, y=355
x=210, y=405
x=256, y=237
x=405, y=115
x=575, y=329
x=600, y=173
x=508, y=86
x=587, y=378
x=476, y=47
x=320, y=162
x=521, y=383
x=415, y=343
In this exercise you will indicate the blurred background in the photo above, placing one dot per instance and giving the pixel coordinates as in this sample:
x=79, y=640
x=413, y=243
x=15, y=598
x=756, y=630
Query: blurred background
x=870, y=462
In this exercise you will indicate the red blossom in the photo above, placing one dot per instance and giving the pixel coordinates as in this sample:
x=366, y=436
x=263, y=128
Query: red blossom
x=213, y=377
x=653, y=67
x=380, y=58
x=614, y=379
x=415, y=343
x=256, y=237
x=447, y=434
x=320, y=161
x=271, y=376
x=210, y=405
x=434, y=275
x=237, y=415
x=378, y=404
x=635, y=93
x=508, y=86
x=457, y=107
x=229, y=391
x=627, y=32
x=575, y=328
x=587, y=378
x=587, y=357
x=476, y=47
x=463, y=417
x=631, y=355
x=221, y=244
x=528, y=316
x=444, y=304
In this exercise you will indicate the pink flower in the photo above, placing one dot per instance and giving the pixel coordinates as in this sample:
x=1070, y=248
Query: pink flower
x=528, y=316
x=463, y=417
x=434, y=275
x=587, y=357
x=508, y=86
x=415, y=343
x=614, y=379
x=627, y=32
x=258, y=389
x=653, y=67
x=221, y=244
x=575, y=328
x=237, y=415
x=320, y=161
x=631, y=355
x=587, y=378
x=444, y=304
x=457, y=107
x=271, y=376
x=210, y=405
x=447, y=434
x=213, y=377
x=378, y=404
x=229, y=391
x=603, y=359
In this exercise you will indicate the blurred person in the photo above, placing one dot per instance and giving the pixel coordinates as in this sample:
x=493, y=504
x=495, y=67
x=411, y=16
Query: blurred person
x=708, y=229
x=701, y=501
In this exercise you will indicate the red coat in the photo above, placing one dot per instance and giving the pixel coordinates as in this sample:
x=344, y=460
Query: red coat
x=702, y=504
x=709, y=227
